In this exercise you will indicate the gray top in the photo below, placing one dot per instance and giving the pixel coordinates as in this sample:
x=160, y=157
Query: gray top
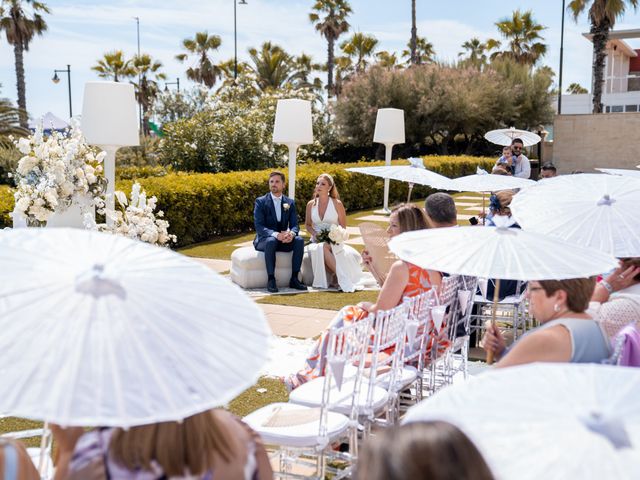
x=588, y=343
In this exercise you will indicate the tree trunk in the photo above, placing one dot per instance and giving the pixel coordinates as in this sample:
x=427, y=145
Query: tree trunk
x=414, y=34
x=20, y=84
x=600, y=34
x=330, y=64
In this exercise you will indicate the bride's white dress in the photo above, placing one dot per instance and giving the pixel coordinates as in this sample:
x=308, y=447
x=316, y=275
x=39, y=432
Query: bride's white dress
x=348, y=270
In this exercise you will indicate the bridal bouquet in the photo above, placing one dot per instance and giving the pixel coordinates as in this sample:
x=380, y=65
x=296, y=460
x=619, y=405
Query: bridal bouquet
x=53, y=170
x=334, y=235
x=136, y=218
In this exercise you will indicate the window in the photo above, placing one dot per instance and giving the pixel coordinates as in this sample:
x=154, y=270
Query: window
x=617, y=109
x=631, y=108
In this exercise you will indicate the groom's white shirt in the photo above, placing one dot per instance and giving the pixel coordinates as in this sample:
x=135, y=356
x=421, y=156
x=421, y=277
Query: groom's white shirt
x=277, y=203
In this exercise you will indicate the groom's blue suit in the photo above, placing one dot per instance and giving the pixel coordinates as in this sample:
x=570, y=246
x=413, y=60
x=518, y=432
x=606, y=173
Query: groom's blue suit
x=266, y=223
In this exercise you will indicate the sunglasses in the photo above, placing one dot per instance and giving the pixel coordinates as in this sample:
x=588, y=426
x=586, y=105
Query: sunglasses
x=516, y=148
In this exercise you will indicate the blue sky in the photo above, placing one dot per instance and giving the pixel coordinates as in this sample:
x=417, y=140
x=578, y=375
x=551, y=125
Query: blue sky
x=80, y=31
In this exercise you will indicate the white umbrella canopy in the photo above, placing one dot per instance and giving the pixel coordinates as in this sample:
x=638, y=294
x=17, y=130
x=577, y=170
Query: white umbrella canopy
x=504, y=136
x=621, y=171
x=499, y=252
x=589, y=209
x=99, y=329
x=414, y=173
x=563, y=420
x=482, y=181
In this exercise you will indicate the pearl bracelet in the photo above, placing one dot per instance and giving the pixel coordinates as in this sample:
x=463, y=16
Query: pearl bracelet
x=607, y=286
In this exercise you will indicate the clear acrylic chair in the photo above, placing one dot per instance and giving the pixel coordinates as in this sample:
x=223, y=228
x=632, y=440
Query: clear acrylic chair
x=41, y=456
x=302, y=432
x=460, y=328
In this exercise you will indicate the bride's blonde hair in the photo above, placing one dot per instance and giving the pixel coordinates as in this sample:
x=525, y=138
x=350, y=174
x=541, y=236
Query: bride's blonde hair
x=333, y=190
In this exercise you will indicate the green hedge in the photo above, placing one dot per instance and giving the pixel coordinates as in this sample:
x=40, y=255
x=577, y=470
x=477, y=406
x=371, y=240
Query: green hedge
x=201, y=206
x=6, y=206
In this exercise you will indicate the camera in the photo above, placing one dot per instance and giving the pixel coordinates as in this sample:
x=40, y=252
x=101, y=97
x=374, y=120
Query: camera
x=473, y=221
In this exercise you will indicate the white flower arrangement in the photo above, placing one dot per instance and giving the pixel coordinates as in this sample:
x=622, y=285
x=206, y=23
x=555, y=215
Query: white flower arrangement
x=135, y=218
x=338, y=235
x=53, y=170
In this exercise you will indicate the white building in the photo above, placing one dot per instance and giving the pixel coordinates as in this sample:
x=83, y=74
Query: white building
x=621, y=91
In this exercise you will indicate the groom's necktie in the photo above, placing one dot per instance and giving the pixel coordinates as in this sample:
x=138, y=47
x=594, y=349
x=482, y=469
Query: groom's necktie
x=277, y=204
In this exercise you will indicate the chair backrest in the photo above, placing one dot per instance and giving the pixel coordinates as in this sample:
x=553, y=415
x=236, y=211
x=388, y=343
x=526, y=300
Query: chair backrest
x=448, y=305
x=417, y=328
x=464, y=305
x=376, y=242
x=346, y=346
x=387, y=351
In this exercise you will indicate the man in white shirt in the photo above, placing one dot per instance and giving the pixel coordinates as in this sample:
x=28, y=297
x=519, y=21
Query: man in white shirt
x=521, y=164
x=276, y=223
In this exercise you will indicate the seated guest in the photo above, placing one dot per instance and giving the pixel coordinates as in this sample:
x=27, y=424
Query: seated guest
x=499, y=206
x=548, y=170
x=441, y=210
x=623, y=280
x=500, y=170
x=404, y=280
x=566, y=334
x=15, y=463
x=521, y=164
x=433, y=450
x=211, y=444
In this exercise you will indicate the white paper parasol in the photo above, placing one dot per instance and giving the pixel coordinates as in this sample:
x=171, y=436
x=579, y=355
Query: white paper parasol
x=504, y=136
x=498, y=252
x=590, y=209
x=621, y=171
x=564, y=421
x=102, y=330
x=482, y=181
x=415, y=173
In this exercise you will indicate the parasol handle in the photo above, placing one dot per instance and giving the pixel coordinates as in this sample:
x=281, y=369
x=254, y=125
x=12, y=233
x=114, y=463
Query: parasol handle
x=494, y=308
x=409, y=195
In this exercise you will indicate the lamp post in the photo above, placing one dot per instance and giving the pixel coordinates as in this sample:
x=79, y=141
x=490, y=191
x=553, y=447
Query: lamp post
x=176, y=83
x=235, y=38
x=293, y=127
x=389, y=131
x=561, y=56
x=56, y=79
x=109, y=121
x=137, y=19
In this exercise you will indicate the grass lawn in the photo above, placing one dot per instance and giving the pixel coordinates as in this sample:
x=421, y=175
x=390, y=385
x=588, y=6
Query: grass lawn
x=324, y=300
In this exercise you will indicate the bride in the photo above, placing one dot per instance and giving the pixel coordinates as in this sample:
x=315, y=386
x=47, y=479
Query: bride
x=323, y=211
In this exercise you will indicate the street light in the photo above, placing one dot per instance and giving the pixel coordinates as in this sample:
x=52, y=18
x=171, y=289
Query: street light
x=56, y=80
x=561, y=55
x=235, y=38
x=176, y=83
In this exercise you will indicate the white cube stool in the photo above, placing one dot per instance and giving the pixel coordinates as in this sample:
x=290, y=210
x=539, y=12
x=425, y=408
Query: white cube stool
x=249, y=270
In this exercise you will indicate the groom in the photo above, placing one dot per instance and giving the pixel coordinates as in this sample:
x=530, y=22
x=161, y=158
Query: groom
x=277, y=230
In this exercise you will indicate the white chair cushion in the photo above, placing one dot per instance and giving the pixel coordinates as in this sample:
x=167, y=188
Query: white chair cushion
x=301, y=436
x=310, y=394
x=407, y=377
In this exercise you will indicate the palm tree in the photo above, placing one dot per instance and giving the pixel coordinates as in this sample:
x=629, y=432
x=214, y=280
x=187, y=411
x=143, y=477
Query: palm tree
x=20, y=27
x=206, y=71
x=413, y=43
x=523, y=36
x=304, y=67
x=9, y=123
x=425, y=52
x=114, y=66
x=474, y=53
x=227, y=72
x=344, y=70
x=602, y=16
x=387, y=60
x=330, y=20
x=148, y=72
x=359, y=47
x=576, y=88
x=272, y=66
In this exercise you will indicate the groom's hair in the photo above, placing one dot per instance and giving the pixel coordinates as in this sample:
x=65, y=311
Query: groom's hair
x=276, y=172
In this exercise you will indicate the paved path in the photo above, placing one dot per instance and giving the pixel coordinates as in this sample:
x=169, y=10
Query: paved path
x=297, y=322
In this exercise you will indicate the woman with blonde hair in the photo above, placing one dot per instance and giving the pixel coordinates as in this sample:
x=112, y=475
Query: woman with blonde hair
x=329, y=257
x=404, y=280
x=209, y=445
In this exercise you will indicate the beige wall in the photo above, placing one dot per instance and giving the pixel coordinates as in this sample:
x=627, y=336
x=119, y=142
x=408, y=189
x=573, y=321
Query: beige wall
x=584, y=142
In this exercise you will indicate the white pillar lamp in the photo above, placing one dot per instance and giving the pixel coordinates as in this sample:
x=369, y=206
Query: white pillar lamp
x=293, y=127
x=110, y=121
x=389, y=131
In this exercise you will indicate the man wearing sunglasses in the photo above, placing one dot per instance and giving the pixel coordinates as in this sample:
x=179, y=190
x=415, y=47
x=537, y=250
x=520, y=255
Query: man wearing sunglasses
x=521, y=165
